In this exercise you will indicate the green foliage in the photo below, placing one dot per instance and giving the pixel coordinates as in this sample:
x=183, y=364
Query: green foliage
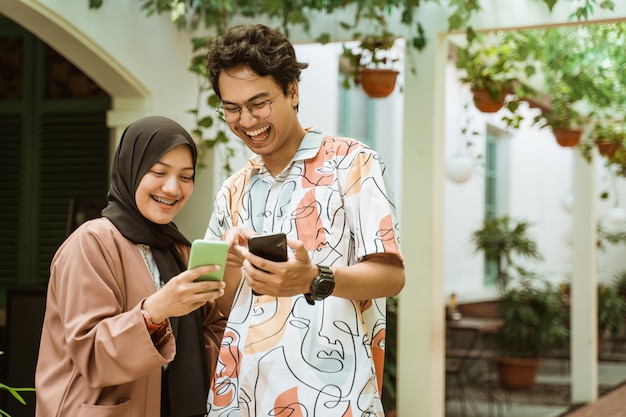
x=619, y=282
x=191, y=15
x=15, y=392
x=606, y=237
x=502, y=239
x=534, y=319
x=578, y=74
x=532, y=309
x=610, y=133
x=611, y=310
x=206, y=122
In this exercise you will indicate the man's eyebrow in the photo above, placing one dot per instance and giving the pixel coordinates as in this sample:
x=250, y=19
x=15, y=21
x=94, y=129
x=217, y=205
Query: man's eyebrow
x=255, y=97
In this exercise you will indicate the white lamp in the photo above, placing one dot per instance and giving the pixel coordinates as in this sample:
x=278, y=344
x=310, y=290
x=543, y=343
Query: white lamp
x=616, y=217
x=459, y=167
x=567, y=201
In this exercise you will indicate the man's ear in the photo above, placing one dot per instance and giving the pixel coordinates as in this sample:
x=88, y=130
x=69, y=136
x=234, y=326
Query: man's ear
x=293, y=94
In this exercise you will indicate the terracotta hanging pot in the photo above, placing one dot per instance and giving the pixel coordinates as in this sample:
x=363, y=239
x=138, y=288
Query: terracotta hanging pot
x=608, y=148
x=484, y=102
x=378, y=83
x=567, y=137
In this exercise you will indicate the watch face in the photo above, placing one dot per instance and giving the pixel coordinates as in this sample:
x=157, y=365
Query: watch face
x=325, y=287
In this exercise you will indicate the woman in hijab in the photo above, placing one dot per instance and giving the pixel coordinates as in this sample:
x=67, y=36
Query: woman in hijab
x=127, y=331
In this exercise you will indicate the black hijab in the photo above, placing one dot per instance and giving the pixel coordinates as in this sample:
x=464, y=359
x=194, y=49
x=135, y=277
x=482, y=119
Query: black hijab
x=143, y=144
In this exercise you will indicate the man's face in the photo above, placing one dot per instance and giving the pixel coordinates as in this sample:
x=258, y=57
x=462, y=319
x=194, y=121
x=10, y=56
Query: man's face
x=261, y=115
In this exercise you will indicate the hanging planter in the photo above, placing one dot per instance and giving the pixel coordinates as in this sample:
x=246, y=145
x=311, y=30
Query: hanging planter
x=371, y=63
x=609, y=136
x=485, y=103
x=608, y=148
x=567, y=137
x=378, y=83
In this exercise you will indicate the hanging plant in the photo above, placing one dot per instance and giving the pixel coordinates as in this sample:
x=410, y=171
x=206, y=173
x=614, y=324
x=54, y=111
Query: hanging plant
x=609, y=137
x=566, y=123
x=490, y=68
x=371, y=64
x=190, y=15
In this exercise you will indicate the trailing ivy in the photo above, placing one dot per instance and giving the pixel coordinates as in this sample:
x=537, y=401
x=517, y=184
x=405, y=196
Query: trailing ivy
x=216, y=15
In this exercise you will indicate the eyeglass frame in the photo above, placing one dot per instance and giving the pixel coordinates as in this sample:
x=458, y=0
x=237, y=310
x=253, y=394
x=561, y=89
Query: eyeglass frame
x=222, y=114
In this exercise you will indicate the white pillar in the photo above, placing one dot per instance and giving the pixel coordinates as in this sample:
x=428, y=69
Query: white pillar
x=583, y=310
x=421, y=324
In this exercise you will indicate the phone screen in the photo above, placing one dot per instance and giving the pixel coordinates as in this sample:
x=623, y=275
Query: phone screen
x=208, y=252
x=272, y=247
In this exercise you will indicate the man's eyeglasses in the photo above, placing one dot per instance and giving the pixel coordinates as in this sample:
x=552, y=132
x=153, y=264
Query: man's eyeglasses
x=258, y=109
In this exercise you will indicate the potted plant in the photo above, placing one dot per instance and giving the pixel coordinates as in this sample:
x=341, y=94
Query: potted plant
x=491, y=69
x=534, y=315
x=611, y=308
x=501, y=239
x=619, y=283
x=371, y=64
x=609, y=136
x=531, y=308
x=611, y=312
x=565, y=121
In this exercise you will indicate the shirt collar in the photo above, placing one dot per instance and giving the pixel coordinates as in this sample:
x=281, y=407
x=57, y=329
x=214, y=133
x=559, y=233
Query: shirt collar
x=309, y=148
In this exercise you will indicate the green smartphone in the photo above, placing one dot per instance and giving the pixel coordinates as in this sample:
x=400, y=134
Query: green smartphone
x=208, y=252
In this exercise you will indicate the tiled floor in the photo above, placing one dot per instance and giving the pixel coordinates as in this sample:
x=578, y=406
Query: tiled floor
x=613, y=404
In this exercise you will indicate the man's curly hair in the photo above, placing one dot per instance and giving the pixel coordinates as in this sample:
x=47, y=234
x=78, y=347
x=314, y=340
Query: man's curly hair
x=265, y=50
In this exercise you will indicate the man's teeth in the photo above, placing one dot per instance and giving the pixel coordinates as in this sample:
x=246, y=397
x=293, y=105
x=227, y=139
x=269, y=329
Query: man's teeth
x=164, y=201
x=257, y=132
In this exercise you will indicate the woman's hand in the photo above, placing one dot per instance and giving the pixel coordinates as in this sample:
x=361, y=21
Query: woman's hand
x=181, y=295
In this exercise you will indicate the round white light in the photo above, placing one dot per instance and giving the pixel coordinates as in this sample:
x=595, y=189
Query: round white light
x=459, y=167
x=616, y=217
x=567, y=202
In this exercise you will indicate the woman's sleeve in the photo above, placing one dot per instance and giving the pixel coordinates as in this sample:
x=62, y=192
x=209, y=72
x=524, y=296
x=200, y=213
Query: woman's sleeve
x=89, y=280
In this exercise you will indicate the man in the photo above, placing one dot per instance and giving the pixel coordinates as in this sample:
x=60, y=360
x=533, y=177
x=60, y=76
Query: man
x=313, y=343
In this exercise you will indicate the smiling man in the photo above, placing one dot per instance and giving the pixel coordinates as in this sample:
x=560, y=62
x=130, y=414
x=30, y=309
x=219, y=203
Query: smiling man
x=313, y=343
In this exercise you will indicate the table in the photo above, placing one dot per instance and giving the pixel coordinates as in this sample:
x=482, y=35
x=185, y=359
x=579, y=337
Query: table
x=468, y=342
x=482, y=325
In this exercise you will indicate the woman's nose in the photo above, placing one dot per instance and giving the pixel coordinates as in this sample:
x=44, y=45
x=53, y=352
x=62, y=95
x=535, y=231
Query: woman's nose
x=171, y=184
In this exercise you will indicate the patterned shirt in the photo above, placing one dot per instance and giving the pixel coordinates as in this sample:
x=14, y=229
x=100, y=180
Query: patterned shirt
x=280, y=355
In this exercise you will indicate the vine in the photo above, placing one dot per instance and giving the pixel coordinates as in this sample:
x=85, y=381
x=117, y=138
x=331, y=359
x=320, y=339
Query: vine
x=190, y=15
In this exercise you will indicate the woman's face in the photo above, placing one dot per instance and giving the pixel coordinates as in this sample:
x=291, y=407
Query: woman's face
x=165, y=188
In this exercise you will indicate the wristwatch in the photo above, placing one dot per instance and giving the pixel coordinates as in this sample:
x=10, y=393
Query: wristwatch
x=322, y=285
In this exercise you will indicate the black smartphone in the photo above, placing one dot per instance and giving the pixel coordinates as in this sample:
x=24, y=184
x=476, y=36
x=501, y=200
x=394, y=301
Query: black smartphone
x=272, y=247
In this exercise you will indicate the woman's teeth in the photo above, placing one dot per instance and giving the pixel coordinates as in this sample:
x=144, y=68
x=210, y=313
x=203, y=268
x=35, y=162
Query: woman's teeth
x=163, y=200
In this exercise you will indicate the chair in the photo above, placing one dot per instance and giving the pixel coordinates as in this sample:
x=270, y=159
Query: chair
x=469, y=363
x=462, y=356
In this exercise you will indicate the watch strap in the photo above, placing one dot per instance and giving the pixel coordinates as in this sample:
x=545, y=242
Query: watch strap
x=152, y=327
x=325, y=274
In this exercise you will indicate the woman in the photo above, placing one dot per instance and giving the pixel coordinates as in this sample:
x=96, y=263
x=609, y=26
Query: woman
x=127, y=331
